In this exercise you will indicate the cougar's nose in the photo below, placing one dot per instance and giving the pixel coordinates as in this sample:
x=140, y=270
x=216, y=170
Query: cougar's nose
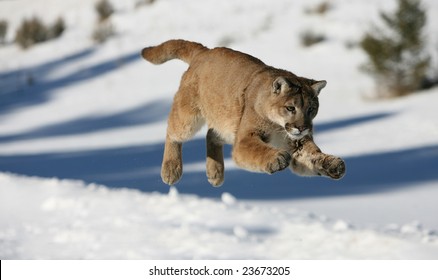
x=301, y=128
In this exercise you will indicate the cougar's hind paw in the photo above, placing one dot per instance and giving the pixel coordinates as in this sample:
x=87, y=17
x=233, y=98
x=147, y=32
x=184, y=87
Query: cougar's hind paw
x=216, y=180
x=171, y=172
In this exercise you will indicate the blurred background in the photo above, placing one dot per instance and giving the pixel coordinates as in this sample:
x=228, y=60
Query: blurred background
x=78, y=102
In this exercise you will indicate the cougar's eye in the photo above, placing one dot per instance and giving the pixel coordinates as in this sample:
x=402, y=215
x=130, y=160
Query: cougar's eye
x=291, y=109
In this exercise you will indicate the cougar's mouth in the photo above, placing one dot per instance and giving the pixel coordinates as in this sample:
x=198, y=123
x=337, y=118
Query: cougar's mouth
x=295, y=133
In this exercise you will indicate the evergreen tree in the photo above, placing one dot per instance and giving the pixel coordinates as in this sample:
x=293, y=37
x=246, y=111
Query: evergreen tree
x=397, y=58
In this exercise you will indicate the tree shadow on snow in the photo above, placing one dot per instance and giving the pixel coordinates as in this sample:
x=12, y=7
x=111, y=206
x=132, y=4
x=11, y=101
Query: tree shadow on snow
x=147, y=113
x=139, y=167
x=337, y=124
x=31, y=85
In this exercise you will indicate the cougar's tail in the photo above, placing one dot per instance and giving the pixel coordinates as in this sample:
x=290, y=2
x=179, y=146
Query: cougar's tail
x=172, y=49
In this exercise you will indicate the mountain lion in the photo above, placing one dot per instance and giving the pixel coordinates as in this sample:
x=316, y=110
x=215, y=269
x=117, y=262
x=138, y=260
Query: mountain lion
x=264, y=112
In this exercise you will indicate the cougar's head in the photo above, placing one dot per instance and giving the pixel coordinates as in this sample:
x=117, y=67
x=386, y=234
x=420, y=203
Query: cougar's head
x=293, y=104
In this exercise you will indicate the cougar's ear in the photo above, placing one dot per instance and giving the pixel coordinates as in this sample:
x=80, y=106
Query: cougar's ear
x=317, y=86
x=279, y=85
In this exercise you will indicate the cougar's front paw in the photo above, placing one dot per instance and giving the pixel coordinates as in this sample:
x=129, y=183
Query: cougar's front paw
x=171, y=172
x=280, y=162
x=334, y=167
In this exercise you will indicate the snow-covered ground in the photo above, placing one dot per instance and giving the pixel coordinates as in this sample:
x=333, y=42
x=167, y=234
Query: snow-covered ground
x=97, y=114
x=61, y=219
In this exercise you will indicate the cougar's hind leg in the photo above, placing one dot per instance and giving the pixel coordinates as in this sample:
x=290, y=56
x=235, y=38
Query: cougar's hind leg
x=215, y=159
x=184, y=121
x=171, y=168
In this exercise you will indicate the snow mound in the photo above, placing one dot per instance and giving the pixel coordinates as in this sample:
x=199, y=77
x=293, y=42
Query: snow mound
x=69, y=219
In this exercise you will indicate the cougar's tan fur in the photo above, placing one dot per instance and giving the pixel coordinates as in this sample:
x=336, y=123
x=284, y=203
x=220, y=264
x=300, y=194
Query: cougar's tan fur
x=264, y=112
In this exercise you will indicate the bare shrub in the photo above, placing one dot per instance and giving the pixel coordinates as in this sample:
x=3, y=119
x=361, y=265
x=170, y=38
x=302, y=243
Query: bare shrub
x=57, y=28
x=33, y=31
x=102, y=31
x=310, y=38
x=320, y=9
x=30, y=32
x=140, y=3
x=104, y=10
x=3, y=30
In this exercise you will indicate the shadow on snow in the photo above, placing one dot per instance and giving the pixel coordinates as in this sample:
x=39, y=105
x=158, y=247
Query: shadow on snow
x=139, y=168
x=144, y=114
x=31, y=86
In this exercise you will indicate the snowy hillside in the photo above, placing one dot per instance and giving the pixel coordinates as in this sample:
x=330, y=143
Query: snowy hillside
x=88, y=123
